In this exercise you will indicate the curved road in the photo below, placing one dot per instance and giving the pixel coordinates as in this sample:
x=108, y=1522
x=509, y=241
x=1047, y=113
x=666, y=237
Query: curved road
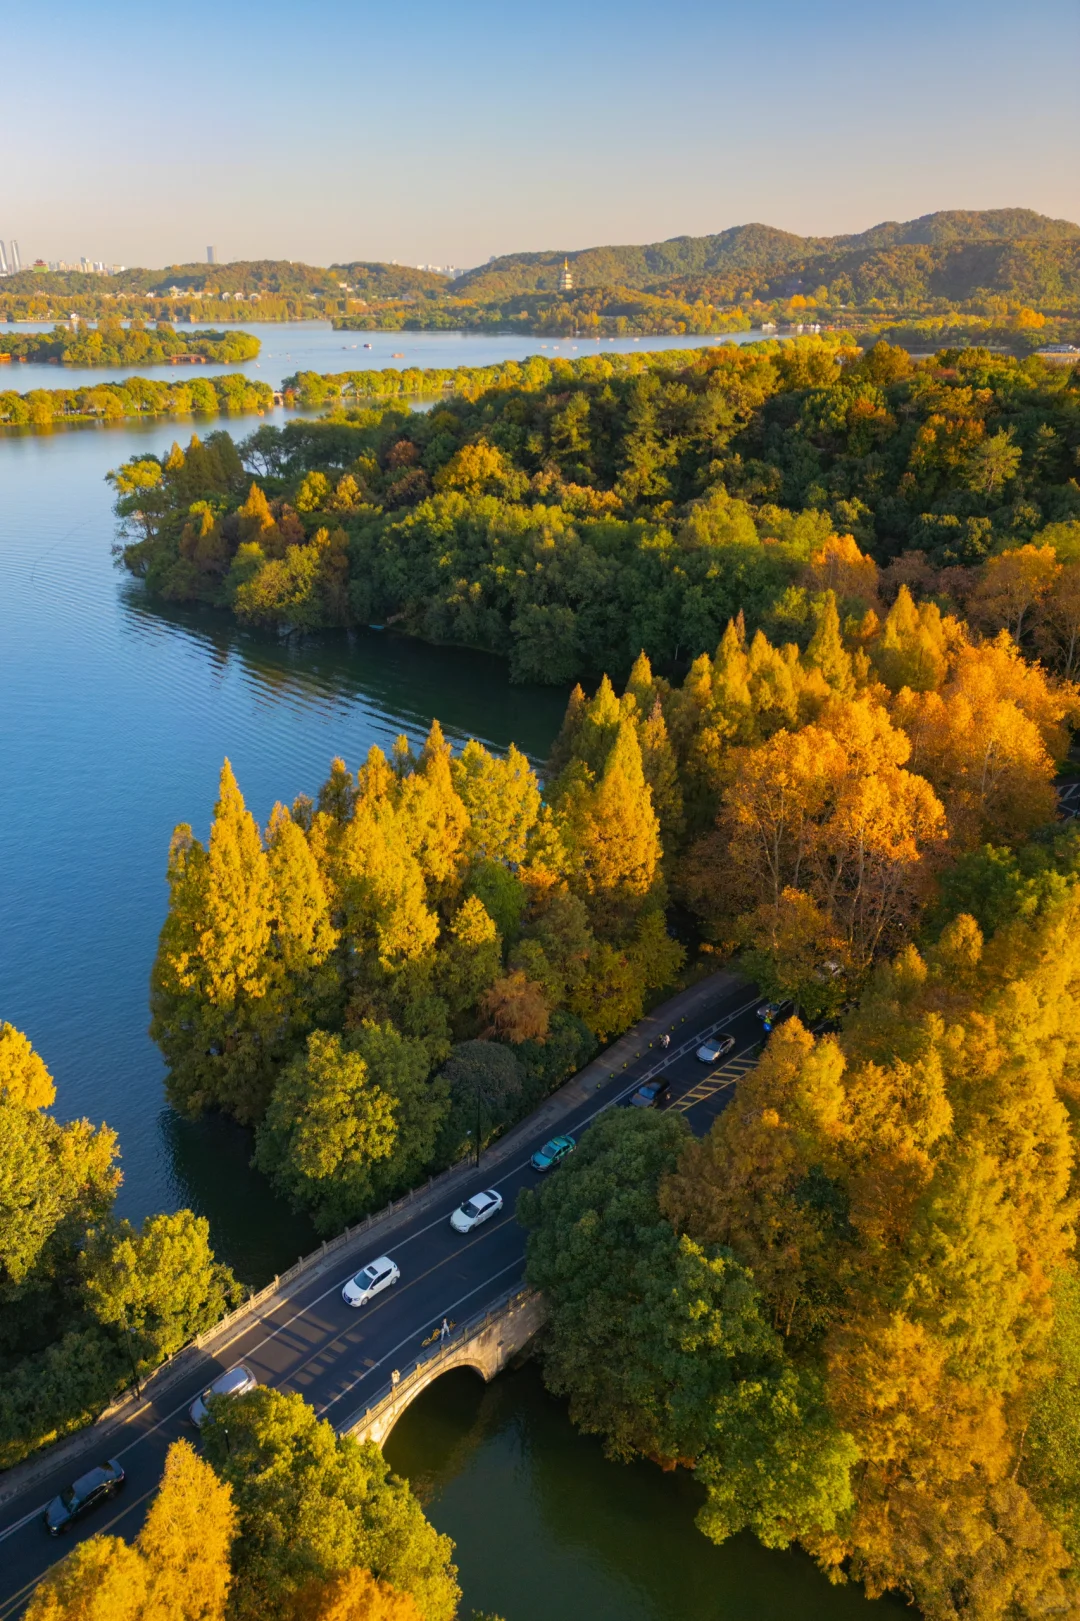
x=314, y=1343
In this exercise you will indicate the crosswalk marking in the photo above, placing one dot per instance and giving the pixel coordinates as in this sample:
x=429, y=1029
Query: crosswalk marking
x=727, y=1075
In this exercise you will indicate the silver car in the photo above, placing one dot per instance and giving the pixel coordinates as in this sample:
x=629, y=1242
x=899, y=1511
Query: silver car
x=370, y=1281
x=475, y=1210
x=716, y=1047
x=235, y=1381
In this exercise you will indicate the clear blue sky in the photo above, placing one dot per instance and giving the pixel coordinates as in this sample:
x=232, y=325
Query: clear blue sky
x=434, y=133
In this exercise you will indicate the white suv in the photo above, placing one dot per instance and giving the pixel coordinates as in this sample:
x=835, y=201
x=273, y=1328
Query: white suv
x=370, y=1281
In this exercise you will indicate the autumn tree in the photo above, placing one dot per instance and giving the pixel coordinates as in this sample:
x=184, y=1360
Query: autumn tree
x=661, y=1346
x=215, y=985
x=313, y=1506
x=177, y=1570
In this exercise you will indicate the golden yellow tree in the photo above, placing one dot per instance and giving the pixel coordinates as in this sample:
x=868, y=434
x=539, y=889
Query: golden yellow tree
x=355, y=1596
x=24, y=1078
x=186, y=1540
x=103, y=1579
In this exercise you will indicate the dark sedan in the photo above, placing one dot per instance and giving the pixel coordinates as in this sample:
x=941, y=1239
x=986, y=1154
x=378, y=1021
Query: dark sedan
x=651, y=1095
x=84, y=1494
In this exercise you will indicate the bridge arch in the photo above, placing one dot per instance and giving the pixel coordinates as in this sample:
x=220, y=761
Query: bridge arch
x=484, y=1345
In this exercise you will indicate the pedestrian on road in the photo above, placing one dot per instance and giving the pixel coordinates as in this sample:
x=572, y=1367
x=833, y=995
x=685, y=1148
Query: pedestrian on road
x=444, y=1332
x=665, y=1041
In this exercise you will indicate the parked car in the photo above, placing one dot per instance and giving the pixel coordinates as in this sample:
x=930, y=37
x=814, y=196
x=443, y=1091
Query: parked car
x=651, y=1094
x=479, y=1208
x=236, y=1381
x=716, y=1047
x=370, y=1281
x=89, y=1491
x=552, y=1152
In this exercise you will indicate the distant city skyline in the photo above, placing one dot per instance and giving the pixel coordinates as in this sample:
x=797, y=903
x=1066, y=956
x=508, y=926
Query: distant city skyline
x=458, y=135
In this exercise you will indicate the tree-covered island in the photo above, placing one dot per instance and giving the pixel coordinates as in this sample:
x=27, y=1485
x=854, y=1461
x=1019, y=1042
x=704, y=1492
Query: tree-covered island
x=112, y=343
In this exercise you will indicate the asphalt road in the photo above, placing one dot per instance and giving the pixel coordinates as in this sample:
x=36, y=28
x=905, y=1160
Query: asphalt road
x=338, y=1357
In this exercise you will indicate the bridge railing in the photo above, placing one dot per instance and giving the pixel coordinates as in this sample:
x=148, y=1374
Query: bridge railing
x=425, y=1364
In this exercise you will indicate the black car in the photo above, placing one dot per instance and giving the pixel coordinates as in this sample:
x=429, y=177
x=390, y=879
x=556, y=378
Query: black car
x=91, y=1489
x=651, y=1095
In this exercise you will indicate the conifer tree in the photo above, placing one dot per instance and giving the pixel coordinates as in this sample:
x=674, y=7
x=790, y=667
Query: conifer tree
x=355, y=1596
x=434, y=820
x=615, y=835
x=303, y=932
x=257, y=525
x=216, y=993
x=502, y=800
x=827, y=652
x=186, y=1541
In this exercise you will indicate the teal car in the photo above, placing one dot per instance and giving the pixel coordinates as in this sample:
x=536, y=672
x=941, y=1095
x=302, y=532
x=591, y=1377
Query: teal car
x=552, y=1152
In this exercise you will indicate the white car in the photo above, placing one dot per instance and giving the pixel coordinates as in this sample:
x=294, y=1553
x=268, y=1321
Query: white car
x=475, y=1210
x=716, y=1047
x=235, y=1381
x=370, y=1281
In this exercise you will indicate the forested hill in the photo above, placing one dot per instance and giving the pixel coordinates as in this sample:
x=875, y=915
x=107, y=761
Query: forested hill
x=953, y=254
x=273, y=277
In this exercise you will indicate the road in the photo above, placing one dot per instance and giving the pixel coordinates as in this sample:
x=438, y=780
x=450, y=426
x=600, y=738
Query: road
x=336, y=1356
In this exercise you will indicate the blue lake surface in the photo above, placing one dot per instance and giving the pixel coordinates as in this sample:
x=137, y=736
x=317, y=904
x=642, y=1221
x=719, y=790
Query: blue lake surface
x=292, y=346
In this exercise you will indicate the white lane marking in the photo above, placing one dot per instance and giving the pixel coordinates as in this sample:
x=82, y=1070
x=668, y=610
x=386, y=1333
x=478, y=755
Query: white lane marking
x=394, y=1349
x=250, y=1350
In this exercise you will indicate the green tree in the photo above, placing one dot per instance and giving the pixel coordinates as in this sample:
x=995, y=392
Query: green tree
x=313, y=1505
x=661, y=1346
x=347, y=1122
x=161, y=1284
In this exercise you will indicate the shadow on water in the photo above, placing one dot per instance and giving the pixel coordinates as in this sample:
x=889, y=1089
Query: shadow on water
x=209, y=1164
x=545, y=1526
x=398, y=679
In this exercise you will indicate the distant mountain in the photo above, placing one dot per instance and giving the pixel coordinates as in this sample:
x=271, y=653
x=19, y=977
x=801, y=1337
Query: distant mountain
x=284, y=278
x=952, y=254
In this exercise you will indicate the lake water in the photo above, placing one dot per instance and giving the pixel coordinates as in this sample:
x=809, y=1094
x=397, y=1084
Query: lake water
x=114, y=718
x=292, y=346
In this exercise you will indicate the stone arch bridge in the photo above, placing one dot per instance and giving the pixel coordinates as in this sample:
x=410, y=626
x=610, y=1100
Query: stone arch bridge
x=484, y=1343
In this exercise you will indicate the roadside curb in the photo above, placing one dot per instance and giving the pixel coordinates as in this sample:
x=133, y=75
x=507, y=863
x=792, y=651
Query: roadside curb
x=260, y=1307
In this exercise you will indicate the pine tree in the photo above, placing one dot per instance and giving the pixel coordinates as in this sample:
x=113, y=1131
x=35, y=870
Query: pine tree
x=827, y=652
x=615, y=835
x=356, y=1596
x=216, y=992
x=434, y=820
x=186, y=1541
x=303, y=932
x=502, y=800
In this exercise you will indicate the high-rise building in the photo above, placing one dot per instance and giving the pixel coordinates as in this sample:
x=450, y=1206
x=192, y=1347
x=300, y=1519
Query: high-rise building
x=211, y=256
x=3, y=261
x=16, y=264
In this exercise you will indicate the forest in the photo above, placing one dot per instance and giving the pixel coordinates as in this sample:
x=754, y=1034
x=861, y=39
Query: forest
x=425, y=949
x=275, y=1516
x=567, y=514
x=89, y=1302
x=110, y=343
x=852, y=1308
x=840, y=597
x=39, y=408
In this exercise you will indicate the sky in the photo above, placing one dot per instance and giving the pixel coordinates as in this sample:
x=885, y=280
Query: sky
x=427, y=133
